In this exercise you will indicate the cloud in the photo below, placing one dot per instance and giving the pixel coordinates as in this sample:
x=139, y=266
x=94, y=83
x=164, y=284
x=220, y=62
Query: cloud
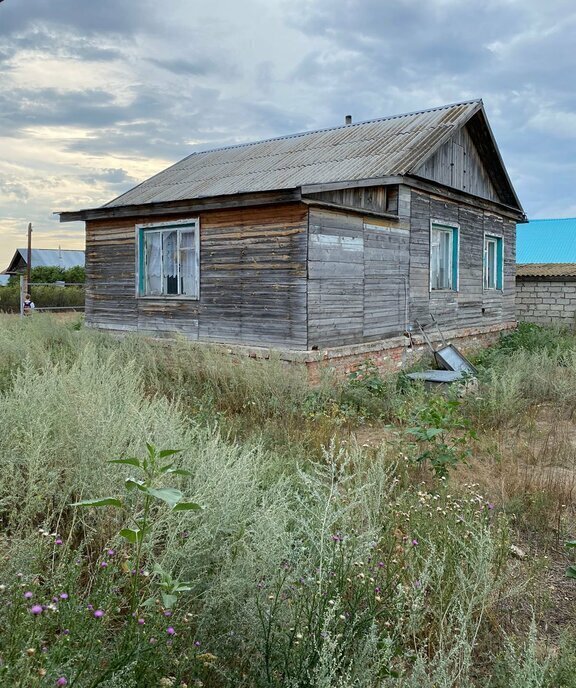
x=200, y=67
x=104, y=16
x=95, y=97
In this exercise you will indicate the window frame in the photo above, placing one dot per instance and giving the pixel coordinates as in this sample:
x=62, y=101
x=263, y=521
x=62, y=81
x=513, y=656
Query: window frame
x=180, y=226
x=498, y=240
x=454, y=229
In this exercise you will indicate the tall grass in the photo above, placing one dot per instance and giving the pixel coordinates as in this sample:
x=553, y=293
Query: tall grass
x=43, y=297
x=315, y=562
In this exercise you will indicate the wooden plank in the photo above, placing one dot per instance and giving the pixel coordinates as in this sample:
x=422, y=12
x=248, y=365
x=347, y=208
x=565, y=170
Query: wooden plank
x=183, y=206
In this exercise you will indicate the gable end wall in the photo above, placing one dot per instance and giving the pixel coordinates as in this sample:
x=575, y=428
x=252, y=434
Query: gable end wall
x=457, y=163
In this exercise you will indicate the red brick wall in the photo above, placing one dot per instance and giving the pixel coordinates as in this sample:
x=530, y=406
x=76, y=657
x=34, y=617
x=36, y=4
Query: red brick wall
x=393, y=359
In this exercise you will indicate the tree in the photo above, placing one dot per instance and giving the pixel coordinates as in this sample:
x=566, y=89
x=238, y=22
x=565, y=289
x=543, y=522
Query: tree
x=75, y=275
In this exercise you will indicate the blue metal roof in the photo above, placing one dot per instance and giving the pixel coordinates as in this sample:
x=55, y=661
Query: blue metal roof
x=547, y=241
x=46, y=257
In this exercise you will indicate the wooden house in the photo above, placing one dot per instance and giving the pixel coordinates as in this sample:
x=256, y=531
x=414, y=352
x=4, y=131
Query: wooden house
x=326, y=245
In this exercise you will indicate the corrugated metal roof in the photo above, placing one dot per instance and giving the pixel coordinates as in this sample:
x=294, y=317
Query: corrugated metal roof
x=377, y=148
x=47, y=257
x=547, y=241
x=546, y=270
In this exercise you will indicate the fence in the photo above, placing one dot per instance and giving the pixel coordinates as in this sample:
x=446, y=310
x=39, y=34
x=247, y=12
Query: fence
x=52, y=296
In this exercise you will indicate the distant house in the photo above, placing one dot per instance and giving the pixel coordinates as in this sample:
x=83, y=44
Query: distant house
x=546, y=272
x=326, y=245
x=44, y=257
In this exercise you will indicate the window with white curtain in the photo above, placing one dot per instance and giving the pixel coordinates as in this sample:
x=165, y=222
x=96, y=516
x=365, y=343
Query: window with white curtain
x=168, y=259
x=493, y=262
x=443, y=257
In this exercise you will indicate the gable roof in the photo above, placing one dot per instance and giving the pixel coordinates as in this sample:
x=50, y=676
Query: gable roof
x=45, y=257
x=547, y=241
x=389, y=146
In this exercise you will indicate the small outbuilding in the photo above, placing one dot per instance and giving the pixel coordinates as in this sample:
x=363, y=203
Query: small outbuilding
x=546, y=272
x=328, y=246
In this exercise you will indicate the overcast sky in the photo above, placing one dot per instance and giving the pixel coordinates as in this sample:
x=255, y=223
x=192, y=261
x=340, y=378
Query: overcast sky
x=97, y=96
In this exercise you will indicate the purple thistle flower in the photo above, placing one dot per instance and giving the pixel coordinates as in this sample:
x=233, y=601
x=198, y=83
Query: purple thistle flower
x=490, y=506
x=89, y=607
x=415, y=543
x=98, y=614
x=197, y=643
x=103, y=564
x=62, y=681
x=54, y=599
x=28, y=595
x=170, y=631
x=58, y=541
x=381, y=564
x=64, y=596
x=167, y=612
x=111, y=552
x=141, y=622
x=66, y=631
x=36, y=609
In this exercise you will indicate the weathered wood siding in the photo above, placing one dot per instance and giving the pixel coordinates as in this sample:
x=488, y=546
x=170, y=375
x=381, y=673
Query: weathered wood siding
x=357, y=276
x=252, y=279
x=458, y=164
x=383, y=199
x=471, y=306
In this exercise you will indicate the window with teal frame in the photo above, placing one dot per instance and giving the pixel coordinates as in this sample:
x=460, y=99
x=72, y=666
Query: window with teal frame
x=493, y=262
x=443, y=257
x=168, y=259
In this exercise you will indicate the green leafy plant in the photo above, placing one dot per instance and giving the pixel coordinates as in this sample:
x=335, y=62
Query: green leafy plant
x=141, y=494
x=368, y=377
x=442, y=435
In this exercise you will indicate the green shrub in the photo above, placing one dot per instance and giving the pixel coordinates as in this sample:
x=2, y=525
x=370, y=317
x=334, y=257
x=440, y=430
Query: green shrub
x=43, y=297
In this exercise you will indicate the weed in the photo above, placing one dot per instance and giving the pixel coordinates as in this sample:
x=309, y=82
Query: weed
x=443, y=435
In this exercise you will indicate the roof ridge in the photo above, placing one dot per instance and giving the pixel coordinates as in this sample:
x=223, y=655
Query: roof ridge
x=38, y=248
x=190, y=156
x=340, y=126
x=549, y=219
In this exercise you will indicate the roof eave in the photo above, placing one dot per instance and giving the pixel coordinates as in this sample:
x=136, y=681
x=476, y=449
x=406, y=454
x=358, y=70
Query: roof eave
x=253, y=198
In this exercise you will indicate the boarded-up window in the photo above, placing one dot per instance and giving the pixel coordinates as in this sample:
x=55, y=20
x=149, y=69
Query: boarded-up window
x=443, y=257
x=168, y=260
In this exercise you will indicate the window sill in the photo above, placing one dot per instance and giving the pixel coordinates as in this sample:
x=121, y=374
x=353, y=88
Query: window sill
x=165, y=297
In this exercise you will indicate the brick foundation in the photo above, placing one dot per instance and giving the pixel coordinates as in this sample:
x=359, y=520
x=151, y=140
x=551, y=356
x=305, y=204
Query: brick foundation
x=387, y=355
x=392, y=358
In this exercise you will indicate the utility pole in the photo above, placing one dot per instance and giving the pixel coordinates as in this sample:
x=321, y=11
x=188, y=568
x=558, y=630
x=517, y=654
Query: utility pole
x=29, y=258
